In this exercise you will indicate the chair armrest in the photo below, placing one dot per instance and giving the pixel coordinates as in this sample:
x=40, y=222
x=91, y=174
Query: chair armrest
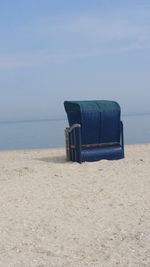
x=73, y=127
x=73, y=142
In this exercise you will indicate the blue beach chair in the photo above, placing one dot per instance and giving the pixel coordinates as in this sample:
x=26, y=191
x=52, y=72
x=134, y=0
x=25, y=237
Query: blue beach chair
x=95, y=132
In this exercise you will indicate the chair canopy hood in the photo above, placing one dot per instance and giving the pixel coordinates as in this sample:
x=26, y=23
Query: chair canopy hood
x=99, y=120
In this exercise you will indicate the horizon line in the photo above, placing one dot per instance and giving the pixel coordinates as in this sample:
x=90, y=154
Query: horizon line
x=63, y=119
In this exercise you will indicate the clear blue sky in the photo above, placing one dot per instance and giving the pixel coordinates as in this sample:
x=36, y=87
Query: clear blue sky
x=51, y=51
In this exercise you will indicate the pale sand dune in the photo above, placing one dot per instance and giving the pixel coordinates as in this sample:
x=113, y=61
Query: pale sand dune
x=55, y=213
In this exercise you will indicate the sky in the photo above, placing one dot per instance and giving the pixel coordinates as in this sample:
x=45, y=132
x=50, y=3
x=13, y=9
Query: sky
x=51, y=51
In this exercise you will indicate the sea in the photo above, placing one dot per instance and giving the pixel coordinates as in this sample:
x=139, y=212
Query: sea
x=49, y=133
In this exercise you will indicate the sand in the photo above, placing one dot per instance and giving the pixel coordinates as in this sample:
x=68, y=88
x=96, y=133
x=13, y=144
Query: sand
x=56, y=213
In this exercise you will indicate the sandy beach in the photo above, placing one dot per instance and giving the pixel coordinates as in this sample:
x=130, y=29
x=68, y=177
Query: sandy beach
x=55, y=213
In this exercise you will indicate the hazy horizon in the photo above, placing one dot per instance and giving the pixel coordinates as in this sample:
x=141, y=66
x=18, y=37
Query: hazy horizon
x=52, y=51
x=63, y=117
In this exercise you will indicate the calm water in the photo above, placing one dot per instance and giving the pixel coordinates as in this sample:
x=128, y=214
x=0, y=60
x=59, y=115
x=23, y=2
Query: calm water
x=50, y=133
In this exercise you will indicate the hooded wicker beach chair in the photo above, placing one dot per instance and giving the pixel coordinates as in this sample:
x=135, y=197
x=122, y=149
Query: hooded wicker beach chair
x=95, y=131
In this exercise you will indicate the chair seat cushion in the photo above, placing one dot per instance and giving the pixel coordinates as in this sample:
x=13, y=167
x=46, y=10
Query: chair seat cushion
x=98, y=153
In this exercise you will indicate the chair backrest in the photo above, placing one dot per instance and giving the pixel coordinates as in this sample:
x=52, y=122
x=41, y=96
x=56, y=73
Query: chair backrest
x=99, y=119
